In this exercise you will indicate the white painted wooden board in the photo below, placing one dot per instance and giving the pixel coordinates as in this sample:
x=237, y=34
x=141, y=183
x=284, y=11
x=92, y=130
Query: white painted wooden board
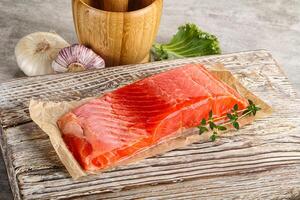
x=261, y=161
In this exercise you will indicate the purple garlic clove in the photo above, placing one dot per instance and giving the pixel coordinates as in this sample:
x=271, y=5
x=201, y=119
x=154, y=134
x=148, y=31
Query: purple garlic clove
x=77, y=58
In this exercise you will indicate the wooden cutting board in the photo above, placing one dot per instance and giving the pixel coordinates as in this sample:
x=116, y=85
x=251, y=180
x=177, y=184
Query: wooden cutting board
x=261, y=161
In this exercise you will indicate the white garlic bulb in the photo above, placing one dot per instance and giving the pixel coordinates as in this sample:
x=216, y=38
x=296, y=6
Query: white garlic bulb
x=36, y=52
x=77, y=58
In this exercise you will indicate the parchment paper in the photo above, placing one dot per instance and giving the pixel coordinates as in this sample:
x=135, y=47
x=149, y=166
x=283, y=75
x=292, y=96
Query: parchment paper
x=45, y=114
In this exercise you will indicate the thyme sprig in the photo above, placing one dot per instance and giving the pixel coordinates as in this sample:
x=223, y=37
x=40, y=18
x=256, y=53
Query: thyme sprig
x=233, y=118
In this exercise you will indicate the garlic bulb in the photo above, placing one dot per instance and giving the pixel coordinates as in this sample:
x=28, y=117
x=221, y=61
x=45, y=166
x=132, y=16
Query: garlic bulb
x=36, y=52
x=77, y=58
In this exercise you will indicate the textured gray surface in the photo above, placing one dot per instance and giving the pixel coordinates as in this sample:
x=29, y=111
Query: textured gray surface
x=240, y=25
x=5, y=192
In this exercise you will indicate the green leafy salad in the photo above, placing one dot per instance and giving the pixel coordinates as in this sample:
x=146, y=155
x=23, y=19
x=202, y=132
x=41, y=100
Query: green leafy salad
x=189, y=41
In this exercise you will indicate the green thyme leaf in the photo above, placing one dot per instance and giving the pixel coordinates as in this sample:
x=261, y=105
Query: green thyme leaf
x=255, y=109
x=202, y=129
x=246, y=112
x=254, y=112
x=258, y=108
x=210, y=114
x=203, y=122
x=251, y=109
x=250, y=102
x=221, y=128
x=212, y=125
x=214, y=136
x=236, y=125
x=230, y=116
x=235, y=107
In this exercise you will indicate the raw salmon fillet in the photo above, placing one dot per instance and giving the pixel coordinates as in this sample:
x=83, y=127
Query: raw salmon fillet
x=120, y=123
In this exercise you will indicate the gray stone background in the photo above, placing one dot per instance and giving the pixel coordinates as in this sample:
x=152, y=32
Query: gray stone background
x=240, y=25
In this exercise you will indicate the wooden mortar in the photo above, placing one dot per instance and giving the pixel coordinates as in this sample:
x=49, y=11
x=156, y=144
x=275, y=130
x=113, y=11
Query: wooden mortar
x=118, y=37
x=115, y=5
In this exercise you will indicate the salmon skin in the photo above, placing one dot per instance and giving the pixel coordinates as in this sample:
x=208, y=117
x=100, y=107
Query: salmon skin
x=118, y=124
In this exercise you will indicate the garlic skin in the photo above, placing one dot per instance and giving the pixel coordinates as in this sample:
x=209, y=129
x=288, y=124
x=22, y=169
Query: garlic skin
x=36, y=52
x=77, y=58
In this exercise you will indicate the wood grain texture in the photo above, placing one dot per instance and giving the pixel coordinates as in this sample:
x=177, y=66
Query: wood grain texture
x=9, y=166
x=261, y=161
x=5, y=192
x=115, y=5
x=119, y=37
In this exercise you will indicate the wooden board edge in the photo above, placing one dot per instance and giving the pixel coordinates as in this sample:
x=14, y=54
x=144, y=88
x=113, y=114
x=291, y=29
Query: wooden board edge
x=283, y=73
x=14, y=186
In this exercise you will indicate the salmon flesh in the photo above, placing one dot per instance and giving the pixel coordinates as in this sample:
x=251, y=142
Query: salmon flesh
x=119, y=124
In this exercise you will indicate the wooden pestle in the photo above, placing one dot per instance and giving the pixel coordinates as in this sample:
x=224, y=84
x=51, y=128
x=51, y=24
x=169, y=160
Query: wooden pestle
x=115, y=5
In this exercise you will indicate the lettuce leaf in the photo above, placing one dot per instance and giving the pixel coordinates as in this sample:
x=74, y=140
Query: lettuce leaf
x=189, y=41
